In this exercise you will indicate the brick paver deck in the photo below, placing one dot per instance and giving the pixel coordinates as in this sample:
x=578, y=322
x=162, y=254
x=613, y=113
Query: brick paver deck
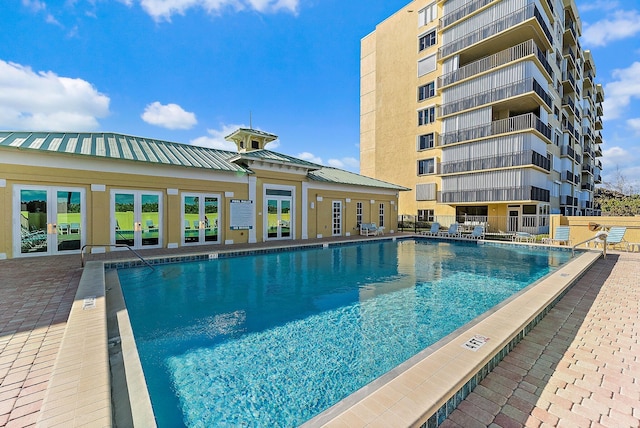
x=579, y=367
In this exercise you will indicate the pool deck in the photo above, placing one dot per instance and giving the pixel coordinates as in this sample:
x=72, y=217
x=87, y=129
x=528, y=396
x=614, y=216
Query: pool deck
x=578, y=367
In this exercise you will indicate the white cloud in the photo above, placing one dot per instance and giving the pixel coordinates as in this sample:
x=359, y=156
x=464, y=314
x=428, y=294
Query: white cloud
x=618, y=93
x=310, y=157
x=615, y=156
x=48, y=102
x=34, y=5
x=619, y=25
x=634, y=124
x=215, y=139
x=348, y=163
x=599, y=5
x=170, y=116
x=163, y=10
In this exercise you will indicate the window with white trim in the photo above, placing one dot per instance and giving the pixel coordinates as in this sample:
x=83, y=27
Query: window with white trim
x=358, y=213
x=426, y=116
x=426, y=141
x=381, y=215
x=427, y=40
x=426, y=215
x=426, y=65
x=426, y=192
x=427, y=15
x=427, y=166
x=426, y=91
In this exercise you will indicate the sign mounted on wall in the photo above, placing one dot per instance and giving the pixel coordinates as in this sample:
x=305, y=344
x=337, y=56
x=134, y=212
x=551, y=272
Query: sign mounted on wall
x=242, y=214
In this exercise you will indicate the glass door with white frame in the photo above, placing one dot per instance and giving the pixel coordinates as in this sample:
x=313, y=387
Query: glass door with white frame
x=336, y=229
x=136, y=218
x=200, y=219
x=279, y=214
x=49, y=220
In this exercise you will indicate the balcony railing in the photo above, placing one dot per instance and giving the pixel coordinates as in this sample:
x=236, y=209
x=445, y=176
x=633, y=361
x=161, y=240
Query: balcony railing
x=501, y=24
x=588, y=186
x=507, y=160
x=502, y=126
x=568, y=200
x=462, y=11
x=523, y=193
x=496, y=94
x=568, y=76
x=587, y=168
x=568, y=151
x=506, y=56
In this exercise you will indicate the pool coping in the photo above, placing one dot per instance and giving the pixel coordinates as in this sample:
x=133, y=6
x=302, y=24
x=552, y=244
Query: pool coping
x=80, y=388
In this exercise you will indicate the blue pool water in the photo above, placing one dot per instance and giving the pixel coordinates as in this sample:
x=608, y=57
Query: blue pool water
x=275, y=339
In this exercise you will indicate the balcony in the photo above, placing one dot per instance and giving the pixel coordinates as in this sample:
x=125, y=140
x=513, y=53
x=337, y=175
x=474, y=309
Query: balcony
x=508, y=160
x=568, y=200
x=462, y=11
x=568, y=101
x=498, y=26
x=569, y=128
x=587, y=168
x=568, y=176
x=598, y=124
x=497, y=94
x=588, y=186
x=568, y=151
x=505, y=194
x=506, y=56
x=513, y=124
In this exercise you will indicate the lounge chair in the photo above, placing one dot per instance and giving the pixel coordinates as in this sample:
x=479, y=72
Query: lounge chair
x=615, y=237
x=74, y=228
x=477, y=233
x=452, y=232
x=435, y=229
x=559, y=237
x=63, y=228
x=523, y=237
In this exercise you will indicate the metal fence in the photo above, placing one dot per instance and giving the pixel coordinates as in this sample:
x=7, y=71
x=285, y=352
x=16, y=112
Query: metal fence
x=499, y=227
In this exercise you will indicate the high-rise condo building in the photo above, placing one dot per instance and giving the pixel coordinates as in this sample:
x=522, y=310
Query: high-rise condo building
x=487, y=109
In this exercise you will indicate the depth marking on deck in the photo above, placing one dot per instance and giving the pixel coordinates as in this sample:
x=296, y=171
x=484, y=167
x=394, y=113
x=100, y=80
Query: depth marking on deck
x=475, y=343
x=89, y=303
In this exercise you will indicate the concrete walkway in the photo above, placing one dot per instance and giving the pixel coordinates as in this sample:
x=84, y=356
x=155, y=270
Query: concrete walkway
x=579, y=367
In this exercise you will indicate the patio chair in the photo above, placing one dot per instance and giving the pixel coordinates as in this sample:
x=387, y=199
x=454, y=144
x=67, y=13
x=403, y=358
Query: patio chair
x=63, y=228
x=615, y=237
x=368, y=229
x=477, y=233
x=196, y=224
x=452, y=232
x=559, y=237
x=74, y=228
x=187, y=225
x=435, y=229
x=524, y=237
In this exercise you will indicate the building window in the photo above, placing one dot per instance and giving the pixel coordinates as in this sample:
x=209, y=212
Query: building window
x=427, y=15
x=426, y=192
x=426, y=65
x=426, y=91
x=427, y=115
x=381, y=215
x=426, y=141
x=358, y=213
x=427, y=40
x=426, y=166
x=426, y=215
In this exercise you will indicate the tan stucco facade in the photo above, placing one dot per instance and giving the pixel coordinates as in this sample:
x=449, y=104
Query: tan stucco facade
x=308, y=210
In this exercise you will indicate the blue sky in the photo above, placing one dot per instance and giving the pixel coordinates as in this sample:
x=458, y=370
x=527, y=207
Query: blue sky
x=192, y=71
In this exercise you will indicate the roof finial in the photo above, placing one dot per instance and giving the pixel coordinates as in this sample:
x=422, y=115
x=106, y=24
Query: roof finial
x=250, y=125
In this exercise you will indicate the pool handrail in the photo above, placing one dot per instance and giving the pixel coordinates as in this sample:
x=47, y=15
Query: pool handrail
x=602, y=238
x=113, y=245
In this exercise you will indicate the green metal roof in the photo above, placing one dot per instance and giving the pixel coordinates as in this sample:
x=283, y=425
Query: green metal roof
x=118, y=146
x=335, y=175
x=126, y=147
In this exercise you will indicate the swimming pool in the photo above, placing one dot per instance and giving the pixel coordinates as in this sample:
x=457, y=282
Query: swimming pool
x=277, y=338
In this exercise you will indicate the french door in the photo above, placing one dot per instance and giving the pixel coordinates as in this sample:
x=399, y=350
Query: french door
x=48, y=220
x=336, y=229
x=279, y=218
x=136, y=218
x=200, y=218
